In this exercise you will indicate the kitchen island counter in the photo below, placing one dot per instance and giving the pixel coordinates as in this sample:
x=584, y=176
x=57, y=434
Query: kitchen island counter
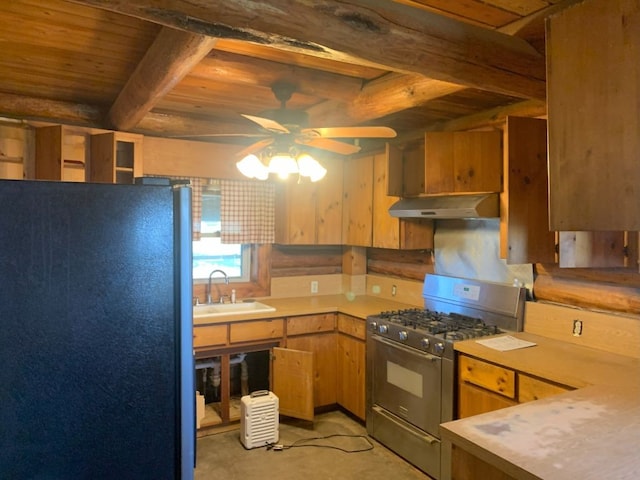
x=589, y=433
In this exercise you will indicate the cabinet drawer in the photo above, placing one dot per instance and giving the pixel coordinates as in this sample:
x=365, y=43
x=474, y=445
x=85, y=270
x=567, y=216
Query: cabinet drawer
x=530, y=388
x=311, y=324
x=353, y=326
x=209, y=335
x=258, y=330
x=487, y=375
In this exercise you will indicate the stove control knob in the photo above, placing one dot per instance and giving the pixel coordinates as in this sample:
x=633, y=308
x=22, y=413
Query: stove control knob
x=383, y=328
x=425, y=343
x=402, y=334
x=374, y=326
x=439, y=347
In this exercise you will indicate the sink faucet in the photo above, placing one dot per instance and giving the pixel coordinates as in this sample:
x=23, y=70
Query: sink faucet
x=226, y=281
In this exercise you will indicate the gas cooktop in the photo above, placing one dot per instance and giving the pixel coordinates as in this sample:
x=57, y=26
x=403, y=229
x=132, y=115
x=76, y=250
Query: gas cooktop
x=452, y=326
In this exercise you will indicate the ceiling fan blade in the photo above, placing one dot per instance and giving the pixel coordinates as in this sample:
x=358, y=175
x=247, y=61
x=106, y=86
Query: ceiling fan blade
x=328, y=144
x=351, y=132
x=202, y=135
x=267, y=124
x=255, y=147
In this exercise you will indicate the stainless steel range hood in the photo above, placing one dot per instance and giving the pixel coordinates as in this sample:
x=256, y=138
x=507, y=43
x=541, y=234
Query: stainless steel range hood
x=486, y=205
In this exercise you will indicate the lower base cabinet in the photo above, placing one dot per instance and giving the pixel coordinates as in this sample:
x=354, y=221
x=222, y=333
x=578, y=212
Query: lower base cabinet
x=485, y=387
x=351, y=364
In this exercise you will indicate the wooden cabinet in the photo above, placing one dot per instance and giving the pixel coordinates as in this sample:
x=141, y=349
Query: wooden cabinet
x=597, y=249
x=373, y=183
x=454, y=162
x=311, y=213
x=316, y=334
x=524, y=208
x=116, y=157
x=351, y=364
x=485, y=386
x=256, y=330
x=357, y=206
x=594, y=122
x=13, y=146
x=62, y=153
x=210, y=336
x=388, y=231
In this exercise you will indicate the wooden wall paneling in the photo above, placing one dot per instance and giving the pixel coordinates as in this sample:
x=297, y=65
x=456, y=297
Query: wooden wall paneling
x=556, y=321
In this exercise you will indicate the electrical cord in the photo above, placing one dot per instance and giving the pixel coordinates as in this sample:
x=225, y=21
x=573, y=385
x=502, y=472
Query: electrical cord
x=300, y=443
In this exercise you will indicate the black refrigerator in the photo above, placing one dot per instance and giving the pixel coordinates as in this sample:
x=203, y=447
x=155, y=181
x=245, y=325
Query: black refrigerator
x=96, y=354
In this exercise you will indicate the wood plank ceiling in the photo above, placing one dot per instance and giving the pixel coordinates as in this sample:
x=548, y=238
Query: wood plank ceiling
x=192, y=67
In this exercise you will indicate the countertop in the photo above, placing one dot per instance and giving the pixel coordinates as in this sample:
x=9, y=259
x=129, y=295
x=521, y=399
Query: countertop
x=589, y=433
x=361, y=306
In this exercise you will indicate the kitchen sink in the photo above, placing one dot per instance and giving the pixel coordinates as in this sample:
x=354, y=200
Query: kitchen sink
x=219, y=309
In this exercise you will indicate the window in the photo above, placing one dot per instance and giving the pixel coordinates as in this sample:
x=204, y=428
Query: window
x=209, y=253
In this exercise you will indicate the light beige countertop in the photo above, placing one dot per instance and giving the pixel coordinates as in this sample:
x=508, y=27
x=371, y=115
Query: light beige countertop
x=360, y=307
x=589, y=433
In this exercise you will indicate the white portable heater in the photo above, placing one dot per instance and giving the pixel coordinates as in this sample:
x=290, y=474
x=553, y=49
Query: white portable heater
x=259, y=424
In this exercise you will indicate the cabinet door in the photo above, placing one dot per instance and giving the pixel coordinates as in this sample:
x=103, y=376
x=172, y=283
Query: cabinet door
x=463, y=162
x=292, y=382
x=524, y=207
x=324, y=348
x=594, y=122
x=474, y=400
x=358, y=201
x=61, y=153
x=388, y=231
x=329, y=203
x=593, y=249
x=351, y=374
x=530, y=388
x=116, y=157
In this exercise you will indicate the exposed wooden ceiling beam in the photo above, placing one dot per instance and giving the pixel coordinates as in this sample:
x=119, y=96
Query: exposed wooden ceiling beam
x=401, y=38
x=32, y=108
x=244, y=70
x=386, y=95
x=171, y=56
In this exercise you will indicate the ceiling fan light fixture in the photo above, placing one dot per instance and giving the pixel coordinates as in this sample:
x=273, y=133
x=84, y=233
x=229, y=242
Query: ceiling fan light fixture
x=310, y=167
x=283, y=165
x=251, y=166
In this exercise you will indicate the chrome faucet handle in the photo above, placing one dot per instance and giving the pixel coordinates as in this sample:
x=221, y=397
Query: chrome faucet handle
x=222, y=297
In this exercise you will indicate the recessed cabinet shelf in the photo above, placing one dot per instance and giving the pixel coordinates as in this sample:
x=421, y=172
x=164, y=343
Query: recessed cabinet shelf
x=116, y=157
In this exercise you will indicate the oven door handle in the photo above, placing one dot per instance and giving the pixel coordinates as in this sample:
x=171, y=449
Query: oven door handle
x=409, y=350
x=425, y=437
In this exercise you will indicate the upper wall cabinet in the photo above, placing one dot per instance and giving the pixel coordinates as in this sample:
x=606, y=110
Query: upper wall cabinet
x=454, y=162
x=388, y=231
x=371, y=185
x=61, y=153
x=311, y=213
x=524, y=217
x=116, y=157
x=593, y=76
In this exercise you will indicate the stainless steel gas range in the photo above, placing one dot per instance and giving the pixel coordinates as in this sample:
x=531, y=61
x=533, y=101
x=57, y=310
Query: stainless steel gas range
x=411, y=363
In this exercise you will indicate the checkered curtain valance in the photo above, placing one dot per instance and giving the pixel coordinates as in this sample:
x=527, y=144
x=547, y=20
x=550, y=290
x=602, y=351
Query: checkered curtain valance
x=247, y=211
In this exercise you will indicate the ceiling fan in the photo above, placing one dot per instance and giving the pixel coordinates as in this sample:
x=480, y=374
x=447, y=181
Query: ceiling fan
x=285, y=128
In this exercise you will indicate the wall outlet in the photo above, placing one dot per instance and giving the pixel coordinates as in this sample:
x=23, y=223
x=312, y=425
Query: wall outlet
x=394, y=290
x=314, y=286
x=577, y=328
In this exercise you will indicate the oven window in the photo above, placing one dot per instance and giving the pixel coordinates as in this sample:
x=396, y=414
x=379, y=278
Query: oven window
x=404, y=378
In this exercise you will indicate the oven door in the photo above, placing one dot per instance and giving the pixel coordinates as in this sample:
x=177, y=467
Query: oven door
x=407, y=383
